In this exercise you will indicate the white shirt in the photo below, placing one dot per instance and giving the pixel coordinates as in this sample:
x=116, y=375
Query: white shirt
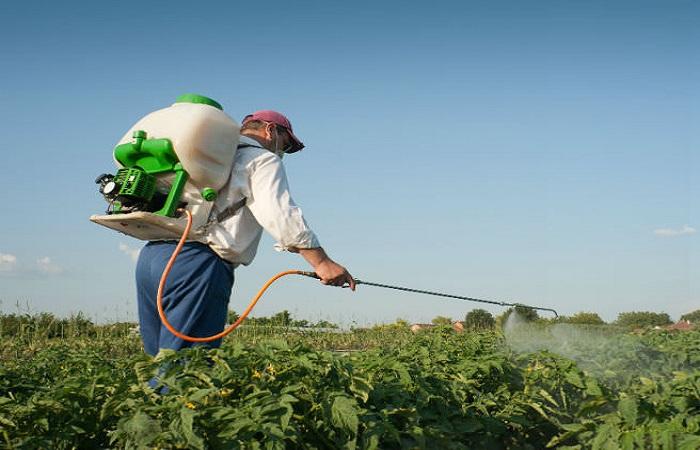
x=259, y=176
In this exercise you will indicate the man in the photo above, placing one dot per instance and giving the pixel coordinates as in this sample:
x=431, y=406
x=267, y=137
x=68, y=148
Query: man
x=256, y=197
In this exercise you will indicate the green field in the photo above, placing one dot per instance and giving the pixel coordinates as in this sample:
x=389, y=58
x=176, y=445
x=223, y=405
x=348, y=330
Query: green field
x=532, y=387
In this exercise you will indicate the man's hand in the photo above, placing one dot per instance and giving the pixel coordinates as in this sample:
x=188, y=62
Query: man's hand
x=334, y=274
x=330, y=272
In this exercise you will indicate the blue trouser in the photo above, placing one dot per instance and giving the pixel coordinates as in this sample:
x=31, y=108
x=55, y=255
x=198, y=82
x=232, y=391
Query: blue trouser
x=195, y=298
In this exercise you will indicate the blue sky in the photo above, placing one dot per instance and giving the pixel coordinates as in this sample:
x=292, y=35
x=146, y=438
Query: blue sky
x=541, y=152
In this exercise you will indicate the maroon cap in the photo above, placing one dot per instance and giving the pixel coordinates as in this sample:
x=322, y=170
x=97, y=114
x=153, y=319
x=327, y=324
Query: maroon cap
x=278, y=119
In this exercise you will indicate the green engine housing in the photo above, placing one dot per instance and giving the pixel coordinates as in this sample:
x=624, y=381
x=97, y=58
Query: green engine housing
x=135, y=183
x=134, y=187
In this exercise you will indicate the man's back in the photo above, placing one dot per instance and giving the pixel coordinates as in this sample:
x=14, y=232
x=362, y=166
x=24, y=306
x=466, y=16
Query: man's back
x=258, y=176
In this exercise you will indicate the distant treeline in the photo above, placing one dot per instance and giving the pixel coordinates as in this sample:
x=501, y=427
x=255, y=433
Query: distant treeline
x=47, y=325
x=482, y=319
x=281, y=319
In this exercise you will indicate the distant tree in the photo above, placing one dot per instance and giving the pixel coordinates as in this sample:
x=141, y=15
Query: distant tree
x=301, y=323
x=585, y=318
x=642, y=319
x=527, y=314
x=479, y=319
x=282, y=318
x=441, y=320
x=400, y=324
x=692, y=317
x=403, y=323
x=325, y=324
x=232, y=316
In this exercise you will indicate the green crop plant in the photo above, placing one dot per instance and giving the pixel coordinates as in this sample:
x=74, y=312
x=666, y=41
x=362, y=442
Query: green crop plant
x=379, y=388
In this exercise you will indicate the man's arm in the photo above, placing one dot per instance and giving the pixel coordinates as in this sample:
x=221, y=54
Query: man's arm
x=330, y=272
x=273, y=208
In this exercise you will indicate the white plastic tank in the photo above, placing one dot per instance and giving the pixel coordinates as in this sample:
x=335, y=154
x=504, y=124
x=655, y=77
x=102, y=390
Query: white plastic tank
x=204, y=138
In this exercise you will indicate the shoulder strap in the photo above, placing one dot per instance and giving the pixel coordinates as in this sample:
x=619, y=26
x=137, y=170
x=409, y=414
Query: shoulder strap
x=231, y=210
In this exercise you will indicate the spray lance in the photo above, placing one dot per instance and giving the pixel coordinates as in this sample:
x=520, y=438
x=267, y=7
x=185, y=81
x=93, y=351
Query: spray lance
x=438, y=294
x=233, y=326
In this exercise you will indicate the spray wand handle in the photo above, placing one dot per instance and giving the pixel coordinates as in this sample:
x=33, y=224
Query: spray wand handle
x=315, y=275
x=310, y=274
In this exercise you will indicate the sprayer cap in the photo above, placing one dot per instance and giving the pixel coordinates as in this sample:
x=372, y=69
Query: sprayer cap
x=209, y=194
x=196, y=98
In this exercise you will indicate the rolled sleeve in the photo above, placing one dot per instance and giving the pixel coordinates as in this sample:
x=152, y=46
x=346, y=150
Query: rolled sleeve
x=273, y=207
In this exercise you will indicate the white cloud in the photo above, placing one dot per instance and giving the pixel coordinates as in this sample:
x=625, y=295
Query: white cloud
x=670, y=232
x=8, y=263
x=132, y=252
x=44, y=265
x=10, y=266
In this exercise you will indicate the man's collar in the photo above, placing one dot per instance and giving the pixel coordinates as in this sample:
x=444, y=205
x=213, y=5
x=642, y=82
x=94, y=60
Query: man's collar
x=245, y=141
x=249, y=141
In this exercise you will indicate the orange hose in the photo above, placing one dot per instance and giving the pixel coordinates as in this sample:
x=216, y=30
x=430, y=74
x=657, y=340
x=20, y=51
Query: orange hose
x=233, y=326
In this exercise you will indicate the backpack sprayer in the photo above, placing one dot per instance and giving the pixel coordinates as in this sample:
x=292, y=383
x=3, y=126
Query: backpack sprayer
x=171, y=164
x=172, y=160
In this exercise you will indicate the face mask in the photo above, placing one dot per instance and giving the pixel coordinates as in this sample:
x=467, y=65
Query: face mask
x=278, y=151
